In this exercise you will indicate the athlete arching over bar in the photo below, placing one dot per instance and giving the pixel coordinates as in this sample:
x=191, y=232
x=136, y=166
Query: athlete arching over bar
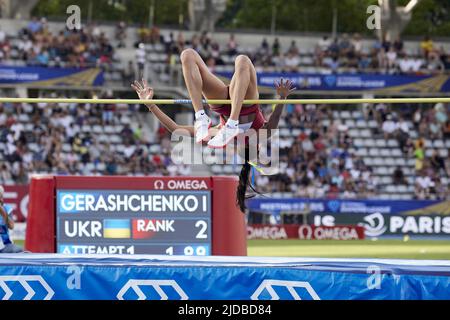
x=235, y=119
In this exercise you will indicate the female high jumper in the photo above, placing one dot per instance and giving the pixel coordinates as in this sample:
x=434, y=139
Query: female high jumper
x=235, y=118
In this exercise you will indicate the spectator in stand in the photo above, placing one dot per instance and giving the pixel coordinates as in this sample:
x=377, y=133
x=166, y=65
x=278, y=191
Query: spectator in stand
x=291, y=62
x=293, y=49
x=391, y=57
x=357, y=44
x=426, y=46
x=264, y=47
x=438, y=163
x=389, y=127
x=128, y=74
x=398, y=177
x=6, y=224
x=141, y=59
x=434, y=63
x=121, y=34
x=232, y=46
x=419, y=154
x=34, y=26
x=402, y=134
x=423, y=186
x=276, y=47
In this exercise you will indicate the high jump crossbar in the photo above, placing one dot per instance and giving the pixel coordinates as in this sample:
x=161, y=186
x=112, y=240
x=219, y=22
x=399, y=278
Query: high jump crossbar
x=223, y=101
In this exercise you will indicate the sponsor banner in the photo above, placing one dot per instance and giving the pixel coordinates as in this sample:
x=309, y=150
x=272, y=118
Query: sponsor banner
x=378, y=225
x=16, y=197
x=337, y=206
x=356, y=82
x=51, y=76
x=103, y=277
x=305, y=232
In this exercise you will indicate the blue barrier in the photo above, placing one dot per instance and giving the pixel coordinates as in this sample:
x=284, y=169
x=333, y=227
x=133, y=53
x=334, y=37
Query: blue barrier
x=55, y=276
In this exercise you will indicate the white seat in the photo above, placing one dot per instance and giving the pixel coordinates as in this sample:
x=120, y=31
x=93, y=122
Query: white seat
x=389, y=161
x=358, y=142
x=391, y=188
x=216, y=169
x=24, y=117
x=381, y=143
x=392, y=143
x=365, y=133
x=362, y=152
x=66, y=147
x=361, y=124
x=438, y=144
x=428, y=152
x=156, y=148
x=353, y=133
x=385, y=152
x=368, y=161
x=115, y=138
x=386, y=180
x=382, y=170
x=396, y=152
x=97, y=129
x=228, y=169
x=378, y=161
x=285, y=132
x=345, y=115
x=372, y=124
x=400, y=162
x=357, y=114
x=350, y=123
x=369, y=143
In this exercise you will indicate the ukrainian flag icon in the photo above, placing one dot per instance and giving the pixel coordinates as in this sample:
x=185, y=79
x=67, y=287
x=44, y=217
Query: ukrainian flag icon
x=116, y=228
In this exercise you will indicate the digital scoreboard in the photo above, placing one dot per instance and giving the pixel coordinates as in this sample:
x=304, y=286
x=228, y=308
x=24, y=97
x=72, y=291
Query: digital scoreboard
x=133, y=222
x=191, y=216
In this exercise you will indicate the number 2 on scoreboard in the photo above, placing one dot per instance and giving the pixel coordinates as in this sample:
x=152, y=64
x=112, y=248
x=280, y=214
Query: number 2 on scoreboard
x=203, y=227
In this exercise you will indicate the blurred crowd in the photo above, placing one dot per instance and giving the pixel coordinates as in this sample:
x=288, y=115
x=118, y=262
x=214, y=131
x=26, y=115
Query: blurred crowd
x=62, y=139
x=320, y=162
x=345, y=53
x=431, y=124
x=46, y=138
x=36, y=45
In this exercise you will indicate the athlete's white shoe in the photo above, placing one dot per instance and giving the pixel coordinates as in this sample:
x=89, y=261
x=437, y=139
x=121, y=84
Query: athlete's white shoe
x=201, y=127
x=225, y=135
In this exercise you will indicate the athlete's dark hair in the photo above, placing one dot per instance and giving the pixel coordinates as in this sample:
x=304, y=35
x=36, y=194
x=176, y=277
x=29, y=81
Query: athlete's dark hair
x=241, y=193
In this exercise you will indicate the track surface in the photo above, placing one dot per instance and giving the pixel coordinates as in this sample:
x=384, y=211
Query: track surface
x=392, y=249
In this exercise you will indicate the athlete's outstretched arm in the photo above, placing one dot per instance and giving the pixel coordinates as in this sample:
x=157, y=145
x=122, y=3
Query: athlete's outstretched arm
x=145, y=92
x=283, y=91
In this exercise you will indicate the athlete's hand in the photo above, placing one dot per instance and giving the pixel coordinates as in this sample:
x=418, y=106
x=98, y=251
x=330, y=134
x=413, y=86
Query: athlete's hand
x=284, y=89
x=144, y=91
